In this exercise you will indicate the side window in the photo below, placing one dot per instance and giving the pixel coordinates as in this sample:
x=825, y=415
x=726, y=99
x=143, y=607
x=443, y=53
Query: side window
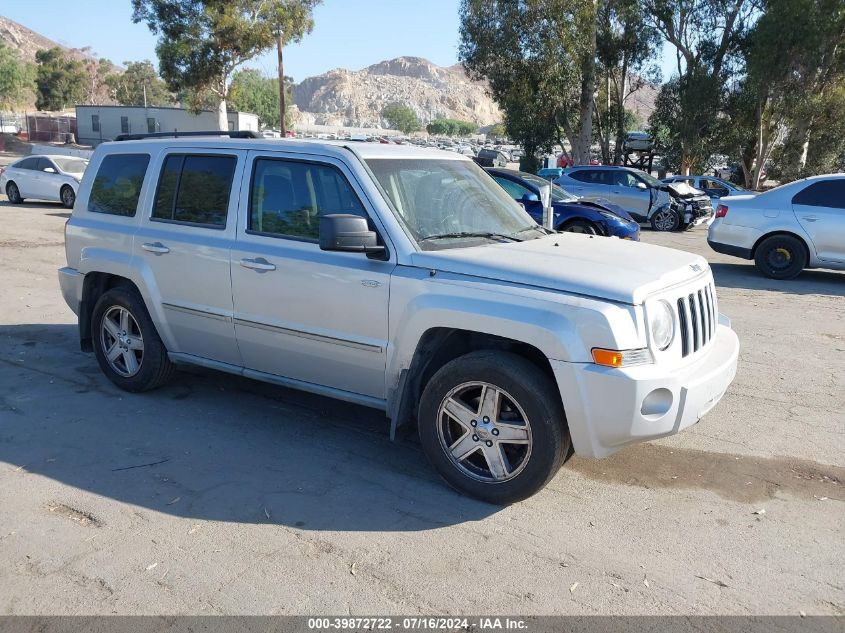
x=622, y=179
x=27, y=163
x=827, y=193
x=514, y=190
x=124, y=124
x=117, y=185
x=593, y=176
x=95, y=122
x=288, y=197
x=195, y=189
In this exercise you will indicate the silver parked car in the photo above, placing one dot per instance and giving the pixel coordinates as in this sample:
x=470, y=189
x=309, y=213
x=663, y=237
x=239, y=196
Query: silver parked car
x=54, y=178
x=787, y=229
x=666, y=207
x=714, y=187
x=399, y=278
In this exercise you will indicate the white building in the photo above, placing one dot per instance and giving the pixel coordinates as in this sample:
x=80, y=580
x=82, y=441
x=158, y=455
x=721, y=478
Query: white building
x=98, y=123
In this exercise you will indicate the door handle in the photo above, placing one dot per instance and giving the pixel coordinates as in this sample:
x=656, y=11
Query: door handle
x=259, y=263
x=809, y=218
x=156, y=247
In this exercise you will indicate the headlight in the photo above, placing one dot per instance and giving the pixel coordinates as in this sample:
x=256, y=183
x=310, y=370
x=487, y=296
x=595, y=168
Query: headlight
x=612, y=216
x=662, y=325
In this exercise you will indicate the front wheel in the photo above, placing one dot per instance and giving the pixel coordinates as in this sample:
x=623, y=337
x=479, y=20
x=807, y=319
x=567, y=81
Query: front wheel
x=68, y=197
x=781, y=257
x=581, y=226
x=492, y=425
x=666, y=219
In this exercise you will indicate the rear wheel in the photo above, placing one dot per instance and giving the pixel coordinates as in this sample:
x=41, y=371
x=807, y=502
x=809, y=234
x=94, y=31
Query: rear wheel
x=492, y=426
x=666, y=219
x=581, y=226
x=68, y=197
x=781, y=257
x=13, y=193
x=126, y=344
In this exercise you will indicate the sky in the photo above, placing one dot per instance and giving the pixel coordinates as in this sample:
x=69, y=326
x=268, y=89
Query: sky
x=347, y=33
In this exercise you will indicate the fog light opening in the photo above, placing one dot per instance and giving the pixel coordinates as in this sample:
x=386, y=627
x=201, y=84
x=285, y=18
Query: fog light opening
x=656, y=404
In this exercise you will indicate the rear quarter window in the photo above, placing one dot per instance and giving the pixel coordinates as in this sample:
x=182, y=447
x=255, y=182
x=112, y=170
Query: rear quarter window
x=117, y=185
x=827, y=193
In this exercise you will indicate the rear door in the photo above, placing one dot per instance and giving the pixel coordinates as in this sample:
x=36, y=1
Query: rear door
x=313, y=316
x=820, y=210
x=184, y=242
x=589, y=183
x=24, y=176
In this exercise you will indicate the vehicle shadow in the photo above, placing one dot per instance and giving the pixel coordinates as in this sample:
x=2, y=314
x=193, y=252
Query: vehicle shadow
x=211, y=446
x=809, y=282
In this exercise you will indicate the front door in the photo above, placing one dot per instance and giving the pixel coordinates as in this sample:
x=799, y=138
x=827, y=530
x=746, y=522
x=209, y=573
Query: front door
x=820, y=209
x=626, y=190
x=313, y=316
x=183, y=243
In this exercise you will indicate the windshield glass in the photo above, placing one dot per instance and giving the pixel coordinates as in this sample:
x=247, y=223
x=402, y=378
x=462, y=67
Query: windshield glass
x=71, y=165
x=441, y=202
x=558, y=194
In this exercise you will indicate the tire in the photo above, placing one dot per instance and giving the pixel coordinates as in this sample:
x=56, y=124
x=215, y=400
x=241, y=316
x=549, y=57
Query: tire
x=151, y=367
x=68, y=197
x=13, y=193
x=580, y=226
x=781, y=257
x=527, y=398
x=665, y=220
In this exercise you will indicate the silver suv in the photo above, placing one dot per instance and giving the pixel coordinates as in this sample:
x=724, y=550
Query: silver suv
x=666, y=207
x=400, y=278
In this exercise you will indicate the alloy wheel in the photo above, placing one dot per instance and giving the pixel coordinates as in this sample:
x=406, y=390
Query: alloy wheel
x=484, y=432
x=122, y=342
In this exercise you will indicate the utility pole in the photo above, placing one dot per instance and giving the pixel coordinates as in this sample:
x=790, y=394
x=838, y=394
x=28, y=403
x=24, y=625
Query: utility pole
x=281, y=85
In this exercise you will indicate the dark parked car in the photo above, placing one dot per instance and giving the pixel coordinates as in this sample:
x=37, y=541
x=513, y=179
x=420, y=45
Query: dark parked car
x=594, y=217
x=491, y=158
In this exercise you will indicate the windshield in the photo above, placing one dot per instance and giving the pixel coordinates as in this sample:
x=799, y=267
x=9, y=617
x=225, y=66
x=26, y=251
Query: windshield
x=558, y=194
x=71, y=165
x=450, y=203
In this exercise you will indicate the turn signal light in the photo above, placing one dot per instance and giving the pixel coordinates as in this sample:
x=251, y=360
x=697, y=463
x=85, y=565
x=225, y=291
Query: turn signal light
x=721, y=211
x=607, y=357
x=616, y=358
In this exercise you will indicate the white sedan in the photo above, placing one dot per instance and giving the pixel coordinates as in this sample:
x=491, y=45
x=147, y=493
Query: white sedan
x=787, y=229
x=43, y=177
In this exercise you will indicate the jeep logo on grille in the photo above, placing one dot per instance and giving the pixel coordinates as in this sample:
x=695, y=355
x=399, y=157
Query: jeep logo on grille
x=695, y=268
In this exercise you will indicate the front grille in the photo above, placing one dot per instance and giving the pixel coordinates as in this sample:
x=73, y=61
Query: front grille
x=697, y=319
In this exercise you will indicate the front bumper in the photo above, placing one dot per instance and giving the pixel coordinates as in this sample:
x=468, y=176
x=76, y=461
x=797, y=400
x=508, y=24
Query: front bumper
x=607, y=409
x=71, y=282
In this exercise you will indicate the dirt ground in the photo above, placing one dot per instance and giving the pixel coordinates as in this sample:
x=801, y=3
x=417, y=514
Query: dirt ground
x=219, y=495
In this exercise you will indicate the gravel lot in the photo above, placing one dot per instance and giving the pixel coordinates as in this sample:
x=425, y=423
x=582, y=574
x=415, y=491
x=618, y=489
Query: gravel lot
x=221, y=495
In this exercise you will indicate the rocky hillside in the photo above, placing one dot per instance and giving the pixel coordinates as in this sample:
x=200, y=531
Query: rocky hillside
x=356, y=97
x=26, y=41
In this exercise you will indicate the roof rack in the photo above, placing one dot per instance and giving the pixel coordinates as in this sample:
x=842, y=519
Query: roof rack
x=177, y=134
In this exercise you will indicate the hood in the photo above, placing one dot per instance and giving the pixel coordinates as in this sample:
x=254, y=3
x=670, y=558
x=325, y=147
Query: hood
x=683, y=190
x=604, y=267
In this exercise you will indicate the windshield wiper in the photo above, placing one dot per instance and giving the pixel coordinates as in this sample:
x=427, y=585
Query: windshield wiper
x=488, y=234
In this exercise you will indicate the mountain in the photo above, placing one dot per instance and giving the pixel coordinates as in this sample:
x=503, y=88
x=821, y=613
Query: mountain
x=26, y=41
x=356, y=98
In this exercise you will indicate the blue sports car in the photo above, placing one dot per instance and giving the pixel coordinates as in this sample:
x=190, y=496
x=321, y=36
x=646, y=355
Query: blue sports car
x=594, y=217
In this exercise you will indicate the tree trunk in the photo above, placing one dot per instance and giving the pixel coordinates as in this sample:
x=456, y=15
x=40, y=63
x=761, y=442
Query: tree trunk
x=581, y=146
x=222, y=116
x=282, y=105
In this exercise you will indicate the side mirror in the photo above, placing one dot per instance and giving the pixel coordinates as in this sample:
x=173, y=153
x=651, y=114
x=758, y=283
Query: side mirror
x=641, y=186
x=530, y=197
x=49, y=170
x=348, y=234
